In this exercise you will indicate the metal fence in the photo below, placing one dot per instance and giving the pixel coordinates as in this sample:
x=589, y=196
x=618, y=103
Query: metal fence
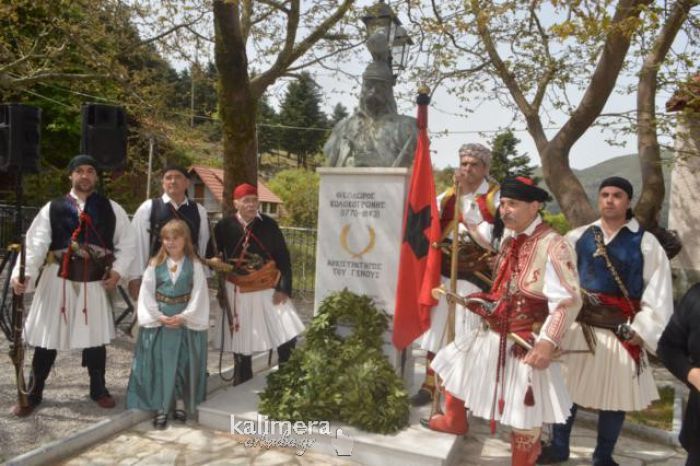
x=7, y=223
x=301, y=243
x=302, y=249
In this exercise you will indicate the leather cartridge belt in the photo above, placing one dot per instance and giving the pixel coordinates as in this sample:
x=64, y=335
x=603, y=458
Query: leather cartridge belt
x=183, y=298
x=600, y=315
x=526, y=315
x=81, y=269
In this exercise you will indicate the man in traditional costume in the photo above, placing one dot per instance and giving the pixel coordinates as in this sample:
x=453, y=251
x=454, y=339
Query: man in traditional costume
x=626, y=283
x=477, y=204
x=152, y=214
x=258, y=287
x=85, y=243
x=505, y=370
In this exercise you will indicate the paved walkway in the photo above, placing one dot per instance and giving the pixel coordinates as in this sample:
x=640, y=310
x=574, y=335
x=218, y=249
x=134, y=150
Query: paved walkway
x=190, y=444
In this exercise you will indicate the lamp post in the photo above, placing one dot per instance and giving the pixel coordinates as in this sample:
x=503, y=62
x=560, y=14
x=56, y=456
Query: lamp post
x=380, y=17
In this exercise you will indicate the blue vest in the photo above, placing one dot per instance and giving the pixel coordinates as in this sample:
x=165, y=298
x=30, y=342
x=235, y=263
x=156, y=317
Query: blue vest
x=625, y=253
x=63, y=215
x=182, y=286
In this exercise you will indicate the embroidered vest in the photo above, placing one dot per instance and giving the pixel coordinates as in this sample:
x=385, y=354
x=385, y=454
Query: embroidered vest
x=162, y=213
x=63, y=216
x=486, y=203
x=170, y=292
x=625, y=252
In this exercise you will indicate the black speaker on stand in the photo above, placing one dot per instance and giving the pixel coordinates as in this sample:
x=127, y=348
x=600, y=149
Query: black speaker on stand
x=104, y=135
x=20, y=134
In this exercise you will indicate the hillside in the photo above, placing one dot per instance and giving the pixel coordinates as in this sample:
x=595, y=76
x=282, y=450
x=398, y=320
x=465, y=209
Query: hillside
x=626, y=166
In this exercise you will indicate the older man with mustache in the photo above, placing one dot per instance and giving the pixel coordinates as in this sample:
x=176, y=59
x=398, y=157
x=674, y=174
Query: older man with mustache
x=506, y=370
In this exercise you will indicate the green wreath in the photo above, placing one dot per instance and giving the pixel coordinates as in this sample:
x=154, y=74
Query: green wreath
x=332, y=378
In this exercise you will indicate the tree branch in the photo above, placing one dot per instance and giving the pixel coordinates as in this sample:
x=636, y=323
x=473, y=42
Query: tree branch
x=286, y=57
x=169, y=31
x=653, y=188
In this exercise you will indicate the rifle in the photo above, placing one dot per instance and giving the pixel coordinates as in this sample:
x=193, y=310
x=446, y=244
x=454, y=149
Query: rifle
x=221, y=270
x=17, y=346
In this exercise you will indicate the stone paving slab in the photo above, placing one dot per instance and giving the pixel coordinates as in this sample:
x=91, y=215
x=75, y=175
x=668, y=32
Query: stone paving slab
x=192, y=444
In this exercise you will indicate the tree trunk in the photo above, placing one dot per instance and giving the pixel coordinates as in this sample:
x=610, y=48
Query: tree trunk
x=653, y=189
x=238, y=106
x=555, y=158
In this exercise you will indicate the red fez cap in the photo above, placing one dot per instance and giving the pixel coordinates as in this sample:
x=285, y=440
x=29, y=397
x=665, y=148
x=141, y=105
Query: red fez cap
x=243, y=190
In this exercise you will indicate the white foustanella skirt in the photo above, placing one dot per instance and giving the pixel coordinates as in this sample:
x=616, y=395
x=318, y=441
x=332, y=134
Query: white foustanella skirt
x=466, y=322
x=607, y=379
x=47, y=327
x=262, y=324
x=468, y=369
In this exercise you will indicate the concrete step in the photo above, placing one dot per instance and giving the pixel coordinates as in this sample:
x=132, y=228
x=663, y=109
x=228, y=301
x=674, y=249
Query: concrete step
x=235, y=410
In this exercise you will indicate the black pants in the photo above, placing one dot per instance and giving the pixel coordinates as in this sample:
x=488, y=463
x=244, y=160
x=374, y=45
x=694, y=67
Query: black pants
x=243, y=363
x=95, y=359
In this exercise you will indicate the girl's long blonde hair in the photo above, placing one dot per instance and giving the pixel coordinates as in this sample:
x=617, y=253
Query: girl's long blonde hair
x=177, y=228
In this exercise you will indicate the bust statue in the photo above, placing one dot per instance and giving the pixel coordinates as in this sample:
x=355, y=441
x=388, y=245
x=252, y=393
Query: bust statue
x=375, y=135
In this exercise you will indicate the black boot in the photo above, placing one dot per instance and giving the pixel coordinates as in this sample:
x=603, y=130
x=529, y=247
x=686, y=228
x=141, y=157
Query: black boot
x=42, y=362
x=242, y=368
x=284, y=351
x=95, y=359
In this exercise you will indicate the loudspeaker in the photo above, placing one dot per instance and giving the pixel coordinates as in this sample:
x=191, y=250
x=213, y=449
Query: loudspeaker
x=20, y=131
x=104, y=135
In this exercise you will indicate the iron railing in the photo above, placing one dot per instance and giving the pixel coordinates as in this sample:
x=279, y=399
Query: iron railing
x=7, y=223
x=302, y=249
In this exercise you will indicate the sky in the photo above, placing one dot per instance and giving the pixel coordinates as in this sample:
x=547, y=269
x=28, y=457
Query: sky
x=445, y=114
x=450, y=128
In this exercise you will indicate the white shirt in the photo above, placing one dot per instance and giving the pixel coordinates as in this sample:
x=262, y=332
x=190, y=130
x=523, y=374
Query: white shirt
x=141, y=223
x=196, y=313
x=471, y=213
x=38, y=240
x=657, y=298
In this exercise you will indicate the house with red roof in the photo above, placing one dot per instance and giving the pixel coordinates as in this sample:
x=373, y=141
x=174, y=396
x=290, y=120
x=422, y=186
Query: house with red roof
x=207, y=188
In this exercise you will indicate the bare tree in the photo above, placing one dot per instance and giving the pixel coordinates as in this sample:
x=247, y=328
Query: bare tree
x=279, y=24
x=540, y=53
x=653, y=189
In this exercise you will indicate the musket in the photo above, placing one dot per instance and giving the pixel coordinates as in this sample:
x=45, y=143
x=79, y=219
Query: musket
x=17, y=346
x=221, y=280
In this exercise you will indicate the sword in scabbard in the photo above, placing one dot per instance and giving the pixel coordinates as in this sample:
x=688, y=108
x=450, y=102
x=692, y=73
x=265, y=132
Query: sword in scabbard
x=488, y=307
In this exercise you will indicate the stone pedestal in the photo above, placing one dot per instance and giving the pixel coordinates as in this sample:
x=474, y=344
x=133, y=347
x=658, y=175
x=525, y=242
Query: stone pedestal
x=360, y=220
x=684, y=208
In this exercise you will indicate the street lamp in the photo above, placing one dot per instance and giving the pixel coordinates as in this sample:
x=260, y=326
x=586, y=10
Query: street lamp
x=380, y=17
x=399, y=50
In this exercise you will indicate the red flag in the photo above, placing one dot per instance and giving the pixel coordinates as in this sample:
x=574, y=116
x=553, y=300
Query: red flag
x=419, y=263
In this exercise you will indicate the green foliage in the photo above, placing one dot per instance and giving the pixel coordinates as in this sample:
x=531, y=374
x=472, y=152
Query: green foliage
x=505, y=160
x=301, y=108
x=557, y=221
x=443, y=178
x=268, y=135
x=340, y=379
x=339, y=112
x=299, y=190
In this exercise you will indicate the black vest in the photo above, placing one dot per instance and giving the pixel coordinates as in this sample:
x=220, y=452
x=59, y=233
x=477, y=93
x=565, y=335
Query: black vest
x=63, y=215
x=162, y=213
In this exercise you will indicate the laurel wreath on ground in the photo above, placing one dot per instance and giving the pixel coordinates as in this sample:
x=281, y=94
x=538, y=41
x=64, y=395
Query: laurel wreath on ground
x=331, y=378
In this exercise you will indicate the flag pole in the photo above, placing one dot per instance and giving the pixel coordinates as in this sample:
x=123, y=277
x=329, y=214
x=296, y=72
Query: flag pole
x=449, y=331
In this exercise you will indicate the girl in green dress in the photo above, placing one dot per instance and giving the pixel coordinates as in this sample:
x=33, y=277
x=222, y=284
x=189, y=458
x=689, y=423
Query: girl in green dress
x=173, y=312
